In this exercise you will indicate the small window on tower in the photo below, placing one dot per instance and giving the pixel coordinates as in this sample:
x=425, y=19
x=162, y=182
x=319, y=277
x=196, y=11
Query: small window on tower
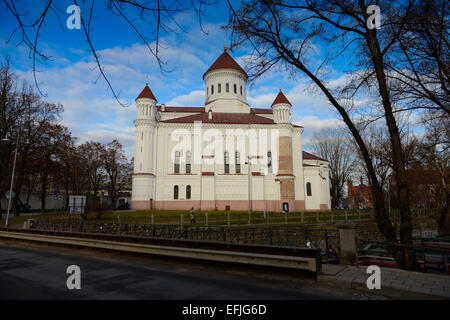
x=212, y=89
x=235, y=88
x=219, y=89
x=241, y=90
x=175, y=192
x=308, y=189
x=227, y=87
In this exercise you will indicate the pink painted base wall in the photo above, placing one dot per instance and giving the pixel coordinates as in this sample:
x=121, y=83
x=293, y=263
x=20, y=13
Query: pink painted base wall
x=235, y=205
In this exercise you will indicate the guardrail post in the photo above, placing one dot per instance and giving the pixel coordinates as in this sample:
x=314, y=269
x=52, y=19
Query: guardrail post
x=347, y=236
x=285, y=217
x=206, y=219
x=153, y=218
x=228, y=218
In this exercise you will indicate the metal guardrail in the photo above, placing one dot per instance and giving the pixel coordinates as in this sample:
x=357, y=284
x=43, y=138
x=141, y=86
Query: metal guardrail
x=283, y=257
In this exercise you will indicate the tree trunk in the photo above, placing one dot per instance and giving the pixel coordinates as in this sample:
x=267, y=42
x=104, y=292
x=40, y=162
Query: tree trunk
x=409, y=261
x=43, y=193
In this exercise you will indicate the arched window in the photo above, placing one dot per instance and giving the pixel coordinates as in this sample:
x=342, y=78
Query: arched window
x=269, y=161
x=212, y=89
x=188, y=192
x=308, y=189
x=188, y=162
x=176, y=168
x=226, y=161
x=235, y=88
x=219, y=89
x=175, y=192
x=227, y=87
x=238, y=162
x=241, y=90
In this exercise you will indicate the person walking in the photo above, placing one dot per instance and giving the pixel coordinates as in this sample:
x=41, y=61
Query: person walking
x=192, y=215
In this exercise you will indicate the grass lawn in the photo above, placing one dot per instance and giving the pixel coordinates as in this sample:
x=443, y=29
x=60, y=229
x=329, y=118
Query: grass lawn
x=214, y=217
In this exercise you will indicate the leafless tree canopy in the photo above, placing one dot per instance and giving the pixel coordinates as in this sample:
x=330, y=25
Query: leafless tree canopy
x=48, y=157
x=148, y=20
x=296, y=34
x=334, y=145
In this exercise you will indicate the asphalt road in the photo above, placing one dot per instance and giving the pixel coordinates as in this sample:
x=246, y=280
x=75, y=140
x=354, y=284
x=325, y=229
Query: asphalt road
x=39, y=272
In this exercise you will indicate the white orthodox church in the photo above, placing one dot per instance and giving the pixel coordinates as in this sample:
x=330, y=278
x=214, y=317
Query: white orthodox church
x=224, y=155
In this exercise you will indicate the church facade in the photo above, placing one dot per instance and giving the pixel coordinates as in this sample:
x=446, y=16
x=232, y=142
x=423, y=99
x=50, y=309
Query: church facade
x=224, y=155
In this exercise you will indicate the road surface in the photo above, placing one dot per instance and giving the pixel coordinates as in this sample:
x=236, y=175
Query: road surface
x=39, y=272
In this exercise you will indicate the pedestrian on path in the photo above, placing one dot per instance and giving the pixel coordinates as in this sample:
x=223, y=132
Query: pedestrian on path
x=192, y=215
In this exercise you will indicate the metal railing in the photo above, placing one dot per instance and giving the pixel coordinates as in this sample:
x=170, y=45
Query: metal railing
x=279, y=235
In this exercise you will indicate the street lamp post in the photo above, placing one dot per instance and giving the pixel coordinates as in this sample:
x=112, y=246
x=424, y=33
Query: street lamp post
x=264, y=193
x=12, y=182
x=249, y=188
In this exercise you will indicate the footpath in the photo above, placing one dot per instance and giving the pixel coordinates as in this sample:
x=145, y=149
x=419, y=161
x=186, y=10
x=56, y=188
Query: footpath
x=394, y=282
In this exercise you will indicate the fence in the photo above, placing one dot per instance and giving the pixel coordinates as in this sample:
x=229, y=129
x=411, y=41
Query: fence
x=243, y=218
x=285, y=235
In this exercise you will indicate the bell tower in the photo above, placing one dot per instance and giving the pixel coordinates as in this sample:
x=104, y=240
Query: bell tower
x=281, y=110
x=144, y=166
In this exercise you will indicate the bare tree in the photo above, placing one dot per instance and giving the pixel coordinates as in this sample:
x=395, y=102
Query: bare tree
x=91, y=154
x=420, y=59
x=284, y=32
x=435, y=152
x=333, y=145
x=148, y=20
x=114, y=163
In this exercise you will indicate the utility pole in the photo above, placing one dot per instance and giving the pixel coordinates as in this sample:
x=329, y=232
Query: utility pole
x=264, y=192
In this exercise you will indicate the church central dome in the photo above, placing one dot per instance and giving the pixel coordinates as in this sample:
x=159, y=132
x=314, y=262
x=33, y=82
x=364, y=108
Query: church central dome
x=225, y=61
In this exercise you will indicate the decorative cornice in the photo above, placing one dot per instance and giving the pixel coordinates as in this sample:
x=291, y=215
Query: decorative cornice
x=144, y=122
x=227, y=72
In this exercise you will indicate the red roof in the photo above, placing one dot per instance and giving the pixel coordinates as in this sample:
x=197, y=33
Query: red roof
x=202, y=109
x=261, y=110
x=281, y=98
x=310, y=156
x=217, y=117
x=225, y=61
x=146, y=93
x=181, y=109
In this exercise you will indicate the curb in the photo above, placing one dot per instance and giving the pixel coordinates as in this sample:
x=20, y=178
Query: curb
x=387, y=291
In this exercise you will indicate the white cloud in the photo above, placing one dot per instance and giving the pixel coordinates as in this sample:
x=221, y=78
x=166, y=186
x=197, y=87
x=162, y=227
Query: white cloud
x=194, y=98
x=313, y=124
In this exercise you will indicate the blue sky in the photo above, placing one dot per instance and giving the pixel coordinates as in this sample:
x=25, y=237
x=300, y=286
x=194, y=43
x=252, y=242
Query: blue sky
x=91, y=113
